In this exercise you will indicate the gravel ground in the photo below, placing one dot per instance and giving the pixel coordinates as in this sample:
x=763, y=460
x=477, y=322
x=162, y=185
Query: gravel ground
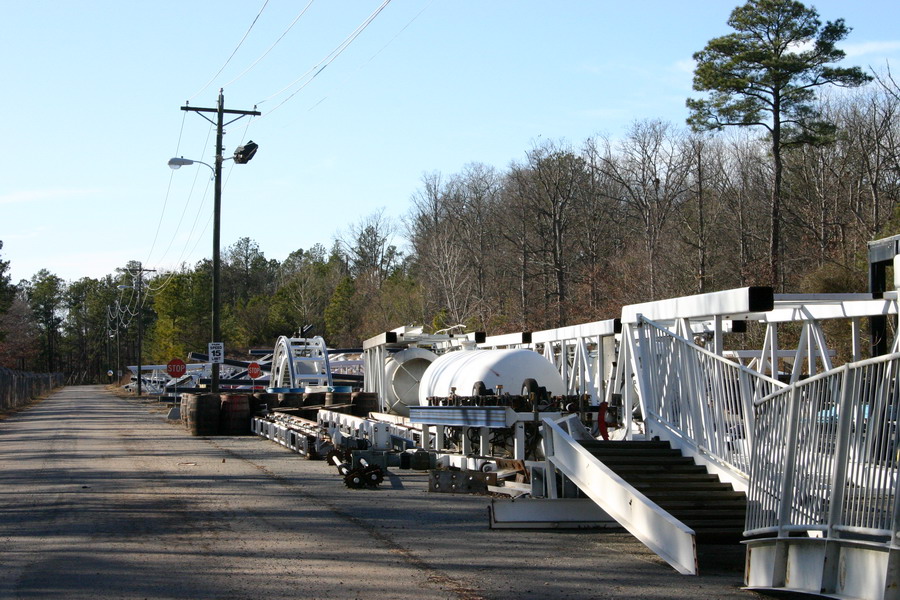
x=101, y=497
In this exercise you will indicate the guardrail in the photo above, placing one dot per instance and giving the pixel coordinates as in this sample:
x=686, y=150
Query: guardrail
x=698, y=400
x=827, y=454
x=18, y=387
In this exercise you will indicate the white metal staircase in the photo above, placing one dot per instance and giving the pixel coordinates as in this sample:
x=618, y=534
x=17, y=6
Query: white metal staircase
x=817, y=457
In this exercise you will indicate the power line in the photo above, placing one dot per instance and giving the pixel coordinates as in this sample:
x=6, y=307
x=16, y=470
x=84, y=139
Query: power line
x=196, y=217
x=254, y=63
x=168, y=191
x=187, y=203
x=213, y=78
x=322, y=64
x=380, y=50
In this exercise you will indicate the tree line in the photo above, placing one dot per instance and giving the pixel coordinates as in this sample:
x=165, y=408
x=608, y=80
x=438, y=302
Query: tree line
x=774, y=181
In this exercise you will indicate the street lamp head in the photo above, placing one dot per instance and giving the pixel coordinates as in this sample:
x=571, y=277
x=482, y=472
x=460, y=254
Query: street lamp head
x=177, y=163
x=243, y=154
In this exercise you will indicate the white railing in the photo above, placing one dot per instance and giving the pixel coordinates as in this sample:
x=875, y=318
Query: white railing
x=826, y=454
x=668, y=537
x=700, y=401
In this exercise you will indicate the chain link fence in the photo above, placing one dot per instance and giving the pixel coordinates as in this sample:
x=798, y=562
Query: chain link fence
x=18, y=387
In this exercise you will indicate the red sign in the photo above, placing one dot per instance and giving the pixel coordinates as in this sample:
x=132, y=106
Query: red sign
x=253, y=370
x=176, y=368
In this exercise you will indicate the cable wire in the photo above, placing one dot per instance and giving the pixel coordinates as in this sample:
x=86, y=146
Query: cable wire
x=380, y=50
x=168, y=191
x=164, y=284
x=197, y=174
x=331, y=57
x=219, y=72
x=254, y=63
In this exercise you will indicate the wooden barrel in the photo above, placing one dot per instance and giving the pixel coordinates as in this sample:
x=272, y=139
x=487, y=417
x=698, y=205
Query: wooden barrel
x=364, y=403
x=202, y=412
x=313, y=398
x=234, y=416
x=257, y=401
x=186, y=400
x=337, y=398
x=290, y=400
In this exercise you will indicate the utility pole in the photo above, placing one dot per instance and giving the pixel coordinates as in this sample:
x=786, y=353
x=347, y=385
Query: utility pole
x=108, y=366
x=140, y=318
x=118, y=348
x=220, y=111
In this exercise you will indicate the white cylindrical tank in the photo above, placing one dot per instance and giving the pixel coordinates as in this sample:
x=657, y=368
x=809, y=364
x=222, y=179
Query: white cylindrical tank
x=510, y=368
x=402, y=373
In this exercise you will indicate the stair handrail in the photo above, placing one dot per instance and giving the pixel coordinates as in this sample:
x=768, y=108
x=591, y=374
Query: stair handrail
x=698, y=400
x=669, y=538
x=826, y=455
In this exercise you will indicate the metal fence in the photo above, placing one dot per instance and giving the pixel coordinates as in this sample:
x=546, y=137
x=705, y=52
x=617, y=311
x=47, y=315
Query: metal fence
x=18, y=387
x=704, y=399
x=827, y=452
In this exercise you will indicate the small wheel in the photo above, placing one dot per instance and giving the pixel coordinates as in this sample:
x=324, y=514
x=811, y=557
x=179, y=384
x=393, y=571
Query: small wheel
x=354, y=479
x=529, y=386
x=479, y=389
x=334, y=457
x=373, y=475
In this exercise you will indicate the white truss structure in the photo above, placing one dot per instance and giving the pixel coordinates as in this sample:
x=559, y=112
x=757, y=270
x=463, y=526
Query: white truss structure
x=583, y=354
x=300, y=362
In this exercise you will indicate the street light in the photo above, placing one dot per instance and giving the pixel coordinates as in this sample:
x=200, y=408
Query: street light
x=241, y=156
x=180, y=161
x=176, y=163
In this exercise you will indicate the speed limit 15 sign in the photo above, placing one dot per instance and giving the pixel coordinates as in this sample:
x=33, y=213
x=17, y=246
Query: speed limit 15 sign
x=217, y=352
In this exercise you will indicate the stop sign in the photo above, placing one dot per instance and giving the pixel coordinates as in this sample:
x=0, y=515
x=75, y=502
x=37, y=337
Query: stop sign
x=253, y=370
x=176, y=368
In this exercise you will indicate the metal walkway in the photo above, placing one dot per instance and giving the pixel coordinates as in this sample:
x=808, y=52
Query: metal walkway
x=817, y=456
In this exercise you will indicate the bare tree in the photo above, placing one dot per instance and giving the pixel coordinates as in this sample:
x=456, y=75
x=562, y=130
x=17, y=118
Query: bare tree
x=652, y=169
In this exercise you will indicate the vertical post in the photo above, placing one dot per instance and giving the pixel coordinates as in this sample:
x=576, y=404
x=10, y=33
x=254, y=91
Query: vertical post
x=845, y=413
x=108, y=366
x=786, y=500
x=217, y=175
x=748, y=407
x=786, y=505
x=217, y=209
x=877, y=287
x=484, y=441
x=118, y=347
x=855, y=333
x=718, y=336
x=629, y=377
x=140, y=319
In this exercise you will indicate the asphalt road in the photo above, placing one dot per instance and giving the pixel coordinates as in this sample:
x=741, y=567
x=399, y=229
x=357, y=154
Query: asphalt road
x=101, y=497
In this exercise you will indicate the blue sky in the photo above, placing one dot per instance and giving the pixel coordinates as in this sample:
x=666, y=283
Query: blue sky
x=92, y=92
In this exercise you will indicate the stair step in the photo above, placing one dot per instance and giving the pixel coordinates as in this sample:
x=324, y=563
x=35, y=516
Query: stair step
x=698, y=477
x=617, y=452
x=713, y=509
x=658, y=468
x=675, y=488
x=698, y=495
x=703, y=515
x=645, y=460
x=627, y=446
x=716, y=524
x=713, y=504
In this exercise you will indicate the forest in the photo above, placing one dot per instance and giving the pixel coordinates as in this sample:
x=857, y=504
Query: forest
x=783, y=193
